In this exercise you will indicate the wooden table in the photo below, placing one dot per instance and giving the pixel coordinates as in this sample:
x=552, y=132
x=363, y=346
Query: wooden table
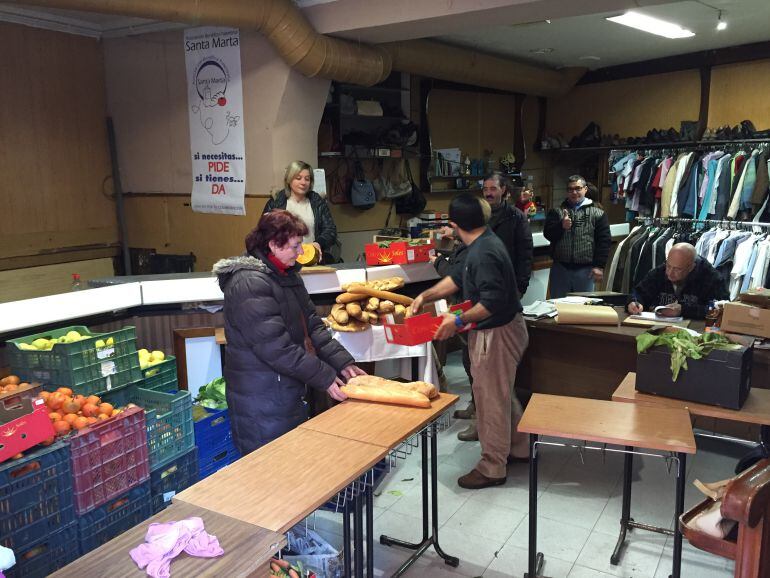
x=386, y=426
x=283, y=482
x=590, y=360
x=606, y=422
x=248, y=549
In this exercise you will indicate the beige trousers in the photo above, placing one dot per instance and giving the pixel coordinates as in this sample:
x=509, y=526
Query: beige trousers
x=495, y=355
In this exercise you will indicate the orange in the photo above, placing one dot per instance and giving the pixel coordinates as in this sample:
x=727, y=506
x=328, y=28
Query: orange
x=93, y=400
x=10, y=387
x=70, y=406
x=55, y=416
x=114, y=412
x=70, y=417
x=81, y=399
x=12, y=379
x=105, y=408
x=17, y=457
x=55, y=400
x=91, y=420
x=47, y=442
x=61, y=427
x=44, y=395
x=90, y=410
x=65, y=391
x=102, y=416
x=80, y=422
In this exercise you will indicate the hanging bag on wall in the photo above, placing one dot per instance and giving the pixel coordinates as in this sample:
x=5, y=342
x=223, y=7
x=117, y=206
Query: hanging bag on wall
x=414, y=202
x=361, y=190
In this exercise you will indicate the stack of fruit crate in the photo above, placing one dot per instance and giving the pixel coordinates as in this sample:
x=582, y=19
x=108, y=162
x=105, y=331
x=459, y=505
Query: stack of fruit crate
x=214, y=438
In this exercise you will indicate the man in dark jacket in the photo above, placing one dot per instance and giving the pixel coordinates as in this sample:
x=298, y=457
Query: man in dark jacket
x=496, y=343
x=276, y=343
x=685, y=284
x=580, y=238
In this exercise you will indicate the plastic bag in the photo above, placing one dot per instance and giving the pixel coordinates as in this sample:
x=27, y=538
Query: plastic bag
x=316, y=554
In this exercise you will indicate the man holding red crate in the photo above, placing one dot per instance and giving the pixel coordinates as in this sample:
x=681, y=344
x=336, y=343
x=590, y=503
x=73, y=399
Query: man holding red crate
x=496, y=344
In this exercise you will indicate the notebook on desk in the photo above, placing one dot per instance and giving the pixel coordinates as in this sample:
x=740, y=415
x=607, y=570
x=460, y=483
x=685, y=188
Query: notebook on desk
x=649, y=319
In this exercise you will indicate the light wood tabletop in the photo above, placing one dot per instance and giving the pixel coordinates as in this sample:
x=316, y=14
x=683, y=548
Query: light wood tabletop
x=380, y=424
x=756, y=410
x=284, y=481
x=248, y=549
x=609, y=422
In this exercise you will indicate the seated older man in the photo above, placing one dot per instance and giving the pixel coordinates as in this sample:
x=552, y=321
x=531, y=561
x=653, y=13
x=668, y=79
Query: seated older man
x=684, y=284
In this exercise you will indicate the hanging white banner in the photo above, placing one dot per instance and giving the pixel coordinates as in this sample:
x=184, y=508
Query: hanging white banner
x=215, y=105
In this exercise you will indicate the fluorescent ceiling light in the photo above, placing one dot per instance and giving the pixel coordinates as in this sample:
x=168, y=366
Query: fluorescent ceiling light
x=651, y=25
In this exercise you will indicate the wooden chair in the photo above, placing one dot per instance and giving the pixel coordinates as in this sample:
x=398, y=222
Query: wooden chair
x=746, y=501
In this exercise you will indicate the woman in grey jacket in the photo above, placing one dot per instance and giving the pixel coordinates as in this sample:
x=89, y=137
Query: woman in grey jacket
x=276, y=343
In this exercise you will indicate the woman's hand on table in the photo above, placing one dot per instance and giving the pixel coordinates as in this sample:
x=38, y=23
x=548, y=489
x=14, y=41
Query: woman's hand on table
x=351, y=371
x=334, y=390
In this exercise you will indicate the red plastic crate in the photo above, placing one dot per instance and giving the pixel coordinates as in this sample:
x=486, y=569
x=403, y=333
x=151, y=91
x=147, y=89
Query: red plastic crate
x=398, y=253
x=421, y=328
x=25, y=424
x=108, y=459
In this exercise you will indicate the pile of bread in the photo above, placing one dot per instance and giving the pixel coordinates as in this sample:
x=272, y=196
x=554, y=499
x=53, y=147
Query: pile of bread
x=366, y=303
x=378, y=389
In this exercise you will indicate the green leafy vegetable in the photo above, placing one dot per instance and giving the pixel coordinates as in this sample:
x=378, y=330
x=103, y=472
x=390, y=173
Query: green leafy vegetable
x=212, y=395
x=683, y=345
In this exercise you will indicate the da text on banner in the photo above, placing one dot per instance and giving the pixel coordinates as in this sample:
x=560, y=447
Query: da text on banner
x=215, y=106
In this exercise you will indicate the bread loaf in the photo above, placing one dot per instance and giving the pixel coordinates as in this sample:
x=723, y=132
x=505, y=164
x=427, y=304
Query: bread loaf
x=386, y=395
x=339, y=314
x=358, y=289
x=427, y=389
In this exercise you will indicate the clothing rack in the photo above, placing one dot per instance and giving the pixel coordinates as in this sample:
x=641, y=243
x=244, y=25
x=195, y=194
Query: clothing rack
x=728, y=223
x=647, y=149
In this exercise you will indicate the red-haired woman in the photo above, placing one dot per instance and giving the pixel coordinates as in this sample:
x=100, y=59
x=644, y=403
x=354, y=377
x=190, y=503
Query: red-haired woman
x=276, y=343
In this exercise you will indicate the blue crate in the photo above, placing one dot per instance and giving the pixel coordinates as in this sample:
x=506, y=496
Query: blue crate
x=101, y=525
x=216, y=459
x=35, y=495
x=47, y=554
x=172, y=478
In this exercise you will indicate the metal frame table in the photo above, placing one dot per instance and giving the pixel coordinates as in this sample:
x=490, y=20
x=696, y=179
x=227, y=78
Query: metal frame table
x=606, y=422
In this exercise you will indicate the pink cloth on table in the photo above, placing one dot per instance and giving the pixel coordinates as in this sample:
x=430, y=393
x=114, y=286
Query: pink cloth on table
x=164, y=542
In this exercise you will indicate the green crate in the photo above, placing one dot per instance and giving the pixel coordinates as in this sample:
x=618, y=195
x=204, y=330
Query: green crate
x=94, y=379
x=75, y=355
x=169, y=420
x=161, y=376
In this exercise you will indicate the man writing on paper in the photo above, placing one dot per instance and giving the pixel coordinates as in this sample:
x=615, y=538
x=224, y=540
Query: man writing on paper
x=681, y=287
x=497, y=343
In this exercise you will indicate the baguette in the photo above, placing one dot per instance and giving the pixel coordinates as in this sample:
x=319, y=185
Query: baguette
x=339, y=314
x=388, y=284
x=387, y=295
x=386, y=307
x=373, y=317
x=385, y=395
x=351, y=326
x=350, y=297
x=354, y=310
x=372, y=304
x=427, y=389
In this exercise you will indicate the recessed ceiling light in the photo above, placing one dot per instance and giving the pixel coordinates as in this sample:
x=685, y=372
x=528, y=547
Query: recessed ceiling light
x=652, y=25
x=541, y=50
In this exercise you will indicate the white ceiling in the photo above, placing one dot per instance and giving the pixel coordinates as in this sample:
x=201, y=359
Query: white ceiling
x=574, y=39
x=587, y=40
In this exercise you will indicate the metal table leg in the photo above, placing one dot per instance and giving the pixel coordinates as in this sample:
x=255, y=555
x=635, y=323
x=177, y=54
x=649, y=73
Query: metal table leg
x=681, y=475
x=370, y=532
x=625, y=516
x=536, y=559
x=358, y=536
x=429, y=539
x=346, y=550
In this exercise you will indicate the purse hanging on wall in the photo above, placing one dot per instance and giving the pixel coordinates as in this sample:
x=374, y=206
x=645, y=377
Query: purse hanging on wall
x=362, y=194
x=414, y=202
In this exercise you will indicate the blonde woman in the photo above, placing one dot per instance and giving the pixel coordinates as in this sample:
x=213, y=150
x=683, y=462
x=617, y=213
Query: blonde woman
x=299, y=198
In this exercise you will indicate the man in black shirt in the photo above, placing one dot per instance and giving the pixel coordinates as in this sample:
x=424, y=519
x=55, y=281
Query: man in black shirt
x=495, y=345
x=685, y=284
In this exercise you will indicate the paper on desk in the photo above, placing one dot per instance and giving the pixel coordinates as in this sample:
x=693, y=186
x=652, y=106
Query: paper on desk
x=652, y=316
x=572, y=314
x=539, y=310
x=577, y=300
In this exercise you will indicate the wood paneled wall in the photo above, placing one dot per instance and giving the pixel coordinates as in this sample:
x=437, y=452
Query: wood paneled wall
x=739, y=92
x=55, y=163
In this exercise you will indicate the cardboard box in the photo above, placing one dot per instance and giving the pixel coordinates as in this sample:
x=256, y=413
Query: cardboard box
x=722, y=378
x=746, y=319
x=399, y=253
x=420, y=328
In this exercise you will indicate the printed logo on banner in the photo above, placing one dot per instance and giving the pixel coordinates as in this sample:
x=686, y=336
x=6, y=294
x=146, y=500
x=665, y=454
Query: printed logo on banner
x=215, y=100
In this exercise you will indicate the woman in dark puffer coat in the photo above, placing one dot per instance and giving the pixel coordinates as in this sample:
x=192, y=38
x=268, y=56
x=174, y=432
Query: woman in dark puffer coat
x=276, y=343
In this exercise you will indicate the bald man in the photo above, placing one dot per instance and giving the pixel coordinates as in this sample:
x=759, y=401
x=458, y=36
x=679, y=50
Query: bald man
x=685, y=284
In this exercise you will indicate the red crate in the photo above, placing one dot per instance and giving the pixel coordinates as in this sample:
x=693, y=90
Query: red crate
x=399, y=253
x=108, y=459
x=25, y=424
x=421, y=328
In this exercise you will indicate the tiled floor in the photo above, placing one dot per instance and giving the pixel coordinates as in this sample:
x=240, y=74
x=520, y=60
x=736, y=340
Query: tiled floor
x=578, y=511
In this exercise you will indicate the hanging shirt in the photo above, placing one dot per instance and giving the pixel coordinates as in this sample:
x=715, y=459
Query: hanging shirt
x=740, y=264
x=709, y=185
x=722, y=198
x=304, y=211
x=760, y=265
x=749, y=180
x=681, y=173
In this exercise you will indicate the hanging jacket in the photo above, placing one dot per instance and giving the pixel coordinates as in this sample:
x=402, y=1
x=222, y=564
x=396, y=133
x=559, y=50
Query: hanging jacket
x=587, y=242
x=267, y=365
